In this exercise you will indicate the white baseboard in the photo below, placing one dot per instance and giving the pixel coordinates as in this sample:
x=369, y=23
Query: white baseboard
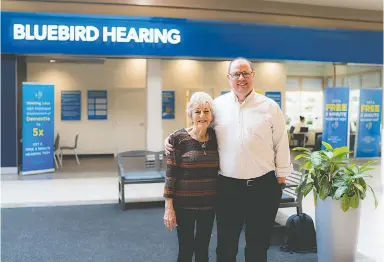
x=8, y=171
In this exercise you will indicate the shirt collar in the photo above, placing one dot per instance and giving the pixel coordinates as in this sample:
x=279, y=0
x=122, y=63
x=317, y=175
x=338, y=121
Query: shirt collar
x=250, y=96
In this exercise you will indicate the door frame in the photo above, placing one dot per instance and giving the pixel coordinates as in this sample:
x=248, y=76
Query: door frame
x=114, y=93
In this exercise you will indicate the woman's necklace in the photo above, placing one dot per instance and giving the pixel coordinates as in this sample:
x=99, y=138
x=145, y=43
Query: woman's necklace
x=202, y=144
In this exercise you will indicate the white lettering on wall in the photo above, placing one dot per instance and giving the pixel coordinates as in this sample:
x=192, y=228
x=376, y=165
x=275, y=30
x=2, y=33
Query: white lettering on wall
x=55, y=33
x=91, y=33
x=141, y=35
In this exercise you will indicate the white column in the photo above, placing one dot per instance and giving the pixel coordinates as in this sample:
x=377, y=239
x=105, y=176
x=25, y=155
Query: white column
x=271, y=77
x=154, y=105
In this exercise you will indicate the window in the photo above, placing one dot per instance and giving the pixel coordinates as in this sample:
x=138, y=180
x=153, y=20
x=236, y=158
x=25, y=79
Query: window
x=304, y=97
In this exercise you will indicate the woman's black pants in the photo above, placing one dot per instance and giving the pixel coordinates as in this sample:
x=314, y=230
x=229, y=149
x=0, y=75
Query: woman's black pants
x=190, y=242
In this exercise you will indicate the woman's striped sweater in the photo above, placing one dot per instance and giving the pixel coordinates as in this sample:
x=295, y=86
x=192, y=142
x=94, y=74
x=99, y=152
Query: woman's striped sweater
x=191, y=177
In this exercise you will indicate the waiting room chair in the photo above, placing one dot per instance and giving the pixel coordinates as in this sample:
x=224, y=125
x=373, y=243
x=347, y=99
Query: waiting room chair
x=298, y=139
x=73, y=148
x=139, y=167
x=56, y=154
x=290, y=198
x=291, y=137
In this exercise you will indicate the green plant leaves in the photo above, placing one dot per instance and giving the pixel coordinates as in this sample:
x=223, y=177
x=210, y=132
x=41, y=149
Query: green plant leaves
x=339, y=192
x=329, y=154
x=359, y=187
x=359, y=176
x=316, y=158
x=340, y=151
x=354, y=201
x=302, y=149
x=374, y=196
x=300, y=156
x=365, y=168
x=345, y=203
x=325, y=189
x=307, y=188
x=327, y=146
x=330, y=173
x=351, y=169
x=307, y=165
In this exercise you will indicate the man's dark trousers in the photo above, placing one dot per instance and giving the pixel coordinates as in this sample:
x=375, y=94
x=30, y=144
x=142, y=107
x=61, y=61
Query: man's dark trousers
x=253, y=202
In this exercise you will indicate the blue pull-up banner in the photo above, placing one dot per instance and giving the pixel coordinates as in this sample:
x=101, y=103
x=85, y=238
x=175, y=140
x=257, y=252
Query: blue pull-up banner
x=336, y=118
x=38, y=128
x=368, y=132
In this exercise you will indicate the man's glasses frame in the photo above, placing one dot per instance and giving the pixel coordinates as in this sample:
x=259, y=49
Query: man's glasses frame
x=245, y=74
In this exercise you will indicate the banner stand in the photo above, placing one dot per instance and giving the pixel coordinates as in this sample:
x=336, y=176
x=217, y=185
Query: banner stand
x=36, y=172
x=38, y=148
x=368, y=132
x=336, y=117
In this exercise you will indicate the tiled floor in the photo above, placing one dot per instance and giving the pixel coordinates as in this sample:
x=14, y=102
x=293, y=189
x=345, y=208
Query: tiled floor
x=95, y=181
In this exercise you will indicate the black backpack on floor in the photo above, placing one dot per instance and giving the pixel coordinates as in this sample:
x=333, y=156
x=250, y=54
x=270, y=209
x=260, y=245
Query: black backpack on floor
x=300, y=234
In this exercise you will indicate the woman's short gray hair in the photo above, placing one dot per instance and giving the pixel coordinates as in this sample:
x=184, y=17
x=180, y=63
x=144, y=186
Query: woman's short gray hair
x=199, y=98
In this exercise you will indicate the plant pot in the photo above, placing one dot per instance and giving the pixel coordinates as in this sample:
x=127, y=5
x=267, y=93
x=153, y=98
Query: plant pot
x=337, y=231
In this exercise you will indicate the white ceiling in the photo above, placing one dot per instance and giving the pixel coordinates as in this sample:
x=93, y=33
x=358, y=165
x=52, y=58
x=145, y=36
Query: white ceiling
x=358, y=4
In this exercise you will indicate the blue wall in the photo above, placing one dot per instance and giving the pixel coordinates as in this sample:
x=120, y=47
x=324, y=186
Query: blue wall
x=8, y=111
x=198, y=38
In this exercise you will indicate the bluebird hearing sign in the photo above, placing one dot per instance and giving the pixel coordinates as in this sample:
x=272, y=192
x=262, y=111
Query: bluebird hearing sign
x=335, y=127
x=84, y=34
x=368, y=132
x=38, y=128
x=76, y=33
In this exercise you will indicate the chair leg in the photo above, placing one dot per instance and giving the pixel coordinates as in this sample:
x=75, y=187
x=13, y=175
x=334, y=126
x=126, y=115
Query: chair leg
x=299, y=210
x=56, y=164
x=77, y=158
x=61, y=157
x=122, y=195
x=57, y=155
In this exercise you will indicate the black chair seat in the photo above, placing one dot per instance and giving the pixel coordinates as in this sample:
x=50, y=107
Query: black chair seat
x=285, y=198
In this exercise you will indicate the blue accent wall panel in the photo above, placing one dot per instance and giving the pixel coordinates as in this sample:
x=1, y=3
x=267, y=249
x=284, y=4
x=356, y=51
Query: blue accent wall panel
x=74, y=34
x=8, y=112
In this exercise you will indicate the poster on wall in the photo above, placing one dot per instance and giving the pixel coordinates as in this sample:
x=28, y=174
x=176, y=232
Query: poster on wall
x=97, y=104
x=336, y=117
x=275, y=96
x=70, y=105
x=368, y=131
x=38, y=128
x=168, y=105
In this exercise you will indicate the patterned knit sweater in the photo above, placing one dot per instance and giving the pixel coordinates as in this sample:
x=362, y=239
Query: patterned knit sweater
x=192, y=171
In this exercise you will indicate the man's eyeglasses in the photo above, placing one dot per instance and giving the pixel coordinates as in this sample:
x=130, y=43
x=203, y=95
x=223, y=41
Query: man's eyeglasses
x=237, y=75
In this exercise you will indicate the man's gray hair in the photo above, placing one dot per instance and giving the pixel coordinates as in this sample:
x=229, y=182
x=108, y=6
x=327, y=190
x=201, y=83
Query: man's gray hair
x=199, y=98
x=239, y=58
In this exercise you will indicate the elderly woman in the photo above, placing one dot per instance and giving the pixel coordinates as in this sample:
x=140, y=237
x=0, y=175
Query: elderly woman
x=190, y=185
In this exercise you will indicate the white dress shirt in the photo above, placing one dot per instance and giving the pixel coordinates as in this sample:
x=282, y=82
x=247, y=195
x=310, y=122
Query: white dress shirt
x=252, y=137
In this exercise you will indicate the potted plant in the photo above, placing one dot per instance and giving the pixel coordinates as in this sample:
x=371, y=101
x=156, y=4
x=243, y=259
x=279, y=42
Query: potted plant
x=338, y=186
